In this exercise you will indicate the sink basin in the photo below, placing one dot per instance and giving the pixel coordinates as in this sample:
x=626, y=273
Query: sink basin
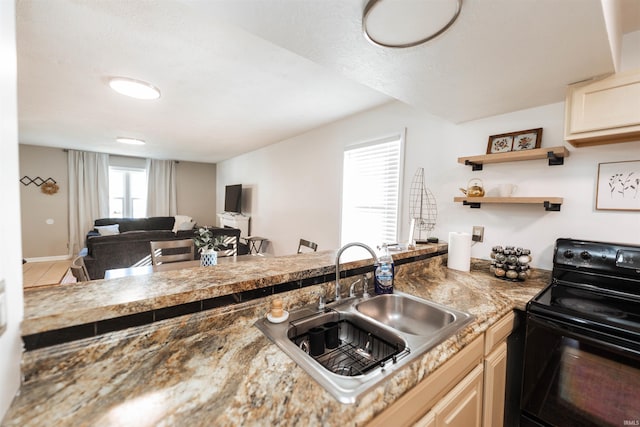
x=375, y=338
x=361, y=345
x=407, y=314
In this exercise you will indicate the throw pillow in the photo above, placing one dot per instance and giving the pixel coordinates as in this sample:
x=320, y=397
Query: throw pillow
x=186, y=226
x=179, y=219
x=108, y=230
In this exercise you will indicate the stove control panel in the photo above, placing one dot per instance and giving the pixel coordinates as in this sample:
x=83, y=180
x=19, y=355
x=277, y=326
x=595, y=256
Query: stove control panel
x=588, y=264
x=630, y=259
x=586, y=254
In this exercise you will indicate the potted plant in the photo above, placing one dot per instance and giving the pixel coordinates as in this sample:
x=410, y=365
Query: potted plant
x=207, y=246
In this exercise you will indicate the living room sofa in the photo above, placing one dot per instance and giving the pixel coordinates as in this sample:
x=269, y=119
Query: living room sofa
x=130, y=245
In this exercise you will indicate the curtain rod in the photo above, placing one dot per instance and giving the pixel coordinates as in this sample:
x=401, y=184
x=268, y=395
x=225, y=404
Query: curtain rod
x=66, y=150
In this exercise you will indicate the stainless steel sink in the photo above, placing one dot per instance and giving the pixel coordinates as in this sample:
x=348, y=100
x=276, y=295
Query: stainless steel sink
x=407, y=314
x=360, y=345
x=376, y=337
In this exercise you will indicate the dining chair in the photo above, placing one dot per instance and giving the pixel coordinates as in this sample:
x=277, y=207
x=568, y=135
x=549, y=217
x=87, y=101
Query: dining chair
x=172, y=251
x=307, y=244
x=79, y=270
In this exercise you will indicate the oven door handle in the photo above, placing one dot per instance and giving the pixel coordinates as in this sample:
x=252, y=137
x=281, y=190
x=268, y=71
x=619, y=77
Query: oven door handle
x=583, y=334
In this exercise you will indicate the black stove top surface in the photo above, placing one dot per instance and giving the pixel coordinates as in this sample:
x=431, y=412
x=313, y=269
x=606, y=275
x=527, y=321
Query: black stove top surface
x=594, y=285
x=586, y=307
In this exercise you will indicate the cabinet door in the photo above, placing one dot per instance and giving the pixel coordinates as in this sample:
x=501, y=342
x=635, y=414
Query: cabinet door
x=428, y=420
x=495, y=374
x=462, y=407
x=606, y=104
x=419, y=400
x=605, y=111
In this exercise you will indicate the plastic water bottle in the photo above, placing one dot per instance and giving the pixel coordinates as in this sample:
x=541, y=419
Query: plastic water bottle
x=384, y=273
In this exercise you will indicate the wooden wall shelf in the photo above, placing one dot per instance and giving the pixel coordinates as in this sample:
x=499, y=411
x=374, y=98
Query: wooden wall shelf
x=549, y=203
x=555, y=155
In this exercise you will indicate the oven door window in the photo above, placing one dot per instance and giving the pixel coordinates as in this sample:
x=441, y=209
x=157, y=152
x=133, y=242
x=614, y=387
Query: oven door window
x=575, y=380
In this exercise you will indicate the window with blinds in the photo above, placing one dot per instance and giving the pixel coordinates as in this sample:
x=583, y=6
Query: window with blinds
x=371, y=192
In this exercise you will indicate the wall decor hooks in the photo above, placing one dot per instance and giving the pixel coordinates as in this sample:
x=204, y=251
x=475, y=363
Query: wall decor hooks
x=48, y=186
x=25, y=180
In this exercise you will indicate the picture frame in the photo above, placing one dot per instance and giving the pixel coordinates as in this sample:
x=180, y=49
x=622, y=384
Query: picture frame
x=515, y=141
x=618, y=186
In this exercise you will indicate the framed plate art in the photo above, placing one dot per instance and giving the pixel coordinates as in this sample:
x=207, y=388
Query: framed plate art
x=515, y=141
x=618, y=186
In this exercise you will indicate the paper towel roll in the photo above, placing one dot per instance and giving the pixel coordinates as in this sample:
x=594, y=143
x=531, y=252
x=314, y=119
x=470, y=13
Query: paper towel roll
x=459, y=251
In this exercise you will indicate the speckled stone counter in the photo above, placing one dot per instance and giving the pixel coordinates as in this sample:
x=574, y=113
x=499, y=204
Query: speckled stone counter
x=82, y=303
x=215, y=368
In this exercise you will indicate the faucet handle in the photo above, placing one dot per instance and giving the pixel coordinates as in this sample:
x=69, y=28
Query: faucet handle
x=365, y=286
x=352, y=288
x=321, y=298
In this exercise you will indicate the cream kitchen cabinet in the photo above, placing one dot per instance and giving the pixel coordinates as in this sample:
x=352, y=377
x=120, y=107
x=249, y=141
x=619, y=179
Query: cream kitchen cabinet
x=495, y=370
x=468, y=390
x=434, y=390
x=461, y=407
x=495, y=376
x=604, y=111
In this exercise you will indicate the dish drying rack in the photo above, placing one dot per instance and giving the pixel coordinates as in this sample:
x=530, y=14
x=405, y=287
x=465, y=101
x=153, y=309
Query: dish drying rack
x=358, y=351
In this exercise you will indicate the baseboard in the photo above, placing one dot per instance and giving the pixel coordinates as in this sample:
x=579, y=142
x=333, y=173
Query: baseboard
x=48, y=258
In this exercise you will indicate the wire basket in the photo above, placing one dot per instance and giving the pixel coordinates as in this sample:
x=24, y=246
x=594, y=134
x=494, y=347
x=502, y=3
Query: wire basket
x=358, y=351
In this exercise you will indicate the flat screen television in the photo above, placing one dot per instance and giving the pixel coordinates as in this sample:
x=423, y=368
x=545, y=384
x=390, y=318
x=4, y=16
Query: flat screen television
x=233, y=198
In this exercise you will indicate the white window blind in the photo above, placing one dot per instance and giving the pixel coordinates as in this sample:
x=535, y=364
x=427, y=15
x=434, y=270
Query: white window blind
x=370, y=193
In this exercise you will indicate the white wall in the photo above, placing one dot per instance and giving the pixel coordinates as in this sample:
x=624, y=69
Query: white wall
x=10, y=262
x=294, y=186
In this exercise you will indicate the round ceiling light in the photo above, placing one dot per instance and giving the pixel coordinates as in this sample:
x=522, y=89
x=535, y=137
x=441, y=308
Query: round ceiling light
x=134, y=88
x=407, y=23
x=130, y=141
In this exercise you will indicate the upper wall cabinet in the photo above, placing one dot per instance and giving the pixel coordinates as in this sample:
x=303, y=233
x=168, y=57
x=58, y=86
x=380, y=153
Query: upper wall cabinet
x=604, y=111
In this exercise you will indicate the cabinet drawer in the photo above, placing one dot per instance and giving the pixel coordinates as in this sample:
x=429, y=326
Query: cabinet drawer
x=498, y=332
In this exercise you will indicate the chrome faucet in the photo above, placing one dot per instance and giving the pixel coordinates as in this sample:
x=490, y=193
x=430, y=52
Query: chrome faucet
x=339, y=254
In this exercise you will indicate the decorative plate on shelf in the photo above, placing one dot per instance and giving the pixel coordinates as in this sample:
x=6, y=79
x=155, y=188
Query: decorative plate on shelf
x=525, y=141
x=501, y=145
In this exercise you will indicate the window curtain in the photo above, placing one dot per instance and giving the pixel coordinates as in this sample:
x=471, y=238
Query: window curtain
x=88, y=194
x=161, y=188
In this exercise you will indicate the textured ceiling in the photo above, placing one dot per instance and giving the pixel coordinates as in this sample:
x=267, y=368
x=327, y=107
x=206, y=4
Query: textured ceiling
x=237, y=75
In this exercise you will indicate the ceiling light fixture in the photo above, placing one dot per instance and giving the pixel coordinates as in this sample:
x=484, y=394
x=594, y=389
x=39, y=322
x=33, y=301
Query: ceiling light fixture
x=134, y=88
x=402, y=24
x=130, y=141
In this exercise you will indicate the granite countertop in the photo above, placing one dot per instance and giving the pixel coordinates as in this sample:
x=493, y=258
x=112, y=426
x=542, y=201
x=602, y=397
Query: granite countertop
x=76, y=304
x=215, y=368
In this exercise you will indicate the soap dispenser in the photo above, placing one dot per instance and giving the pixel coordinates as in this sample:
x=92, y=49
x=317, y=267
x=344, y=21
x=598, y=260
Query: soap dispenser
x=384, y=273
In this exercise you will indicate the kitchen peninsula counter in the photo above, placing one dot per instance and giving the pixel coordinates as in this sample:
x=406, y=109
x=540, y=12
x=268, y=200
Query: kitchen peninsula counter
x=81, y=303
x=215, y=368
